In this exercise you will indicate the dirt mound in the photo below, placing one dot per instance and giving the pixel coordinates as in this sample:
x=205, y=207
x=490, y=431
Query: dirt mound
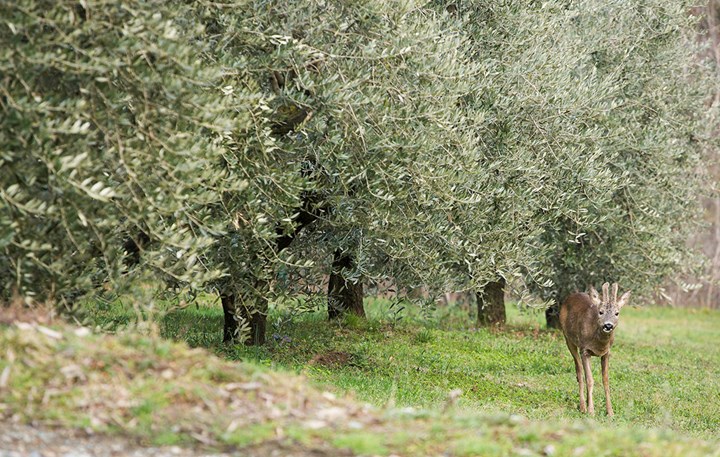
x=160, y=391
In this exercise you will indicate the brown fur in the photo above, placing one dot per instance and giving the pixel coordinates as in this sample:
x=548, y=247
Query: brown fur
x=588, y=323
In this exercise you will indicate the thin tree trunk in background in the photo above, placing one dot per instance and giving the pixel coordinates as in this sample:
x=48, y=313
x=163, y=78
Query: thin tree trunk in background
x=712, y=21
x=710, y=294
x=344, y=296
x=230, y=326
x=491, y=304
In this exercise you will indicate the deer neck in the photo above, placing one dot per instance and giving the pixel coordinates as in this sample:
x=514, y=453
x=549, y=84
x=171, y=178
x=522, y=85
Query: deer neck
x=603, y=338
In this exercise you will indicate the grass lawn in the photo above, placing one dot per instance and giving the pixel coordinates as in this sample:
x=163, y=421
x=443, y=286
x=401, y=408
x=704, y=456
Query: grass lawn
x=665, y=369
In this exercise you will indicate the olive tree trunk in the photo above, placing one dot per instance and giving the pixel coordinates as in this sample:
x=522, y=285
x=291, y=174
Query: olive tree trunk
x=344, y=296
x=552, y=315
x=255, y=312
x=491, y=304
x=254, y=319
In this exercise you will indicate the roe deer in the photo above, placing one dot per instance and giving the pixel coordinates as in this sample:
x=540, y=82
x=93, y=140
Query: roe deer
x=588, y=324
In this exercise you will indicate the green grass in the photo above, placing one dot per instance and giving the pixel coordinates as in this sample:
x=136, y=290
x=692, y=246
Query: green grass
x=665, y=368
x=163, y=392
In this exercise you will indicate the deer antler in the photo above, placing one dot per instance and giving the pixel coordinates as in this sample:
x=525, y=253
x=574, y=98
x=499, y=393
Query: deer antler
x=605, y=288
x=614, y=292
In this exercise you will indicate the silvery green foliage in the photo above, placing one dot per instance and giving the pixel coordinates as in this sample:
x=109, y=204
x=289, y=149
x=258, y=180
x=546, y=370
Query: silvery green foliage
x=377, y=86
x=208, y=126
x=112, y=127
x=535, y=160
x=505, y=139
x=590, y=125
x=640, y=118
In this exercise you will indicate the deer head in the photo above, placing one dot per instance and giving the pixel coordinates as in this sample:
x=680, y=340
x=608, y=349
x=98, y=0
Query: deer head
x=608, y=308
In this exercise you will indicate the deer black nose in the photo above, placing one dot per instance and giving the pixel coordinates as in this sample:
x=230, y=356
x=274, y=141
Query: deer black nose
x=608, y=327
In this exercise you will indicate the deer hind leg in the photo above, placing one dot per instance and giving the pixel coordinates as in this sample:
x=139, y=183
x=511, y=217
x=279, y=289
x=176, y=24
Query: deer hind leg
x=605, y=363
x=588, y=380
x=578, y=374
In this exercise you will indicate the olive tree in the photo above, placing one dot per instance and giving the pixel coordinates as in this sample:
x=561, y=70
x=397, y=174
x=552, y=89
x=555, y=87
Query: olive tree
x=375, y=87
x=536, y=159
x=582, y=129
x=224, y=145
x=653, y=126
x=205, y=137
x=116, y=133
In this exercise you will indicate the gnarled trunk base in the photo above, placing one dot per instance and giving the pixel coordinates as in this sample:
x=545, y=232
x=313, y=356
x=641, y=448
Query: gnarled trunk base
x=491, y=304
x=552, y=315
x=255, y=318
x=344, y=296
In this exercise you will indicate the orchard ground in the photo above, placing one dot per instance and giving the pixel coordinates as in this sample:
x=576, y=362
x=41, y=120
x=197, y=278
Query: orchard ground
x=432, y=383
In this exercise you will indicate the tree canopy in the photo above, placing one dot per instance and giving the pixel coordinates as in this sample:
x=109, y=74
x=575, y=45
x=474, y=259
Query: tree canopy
x=229, y=145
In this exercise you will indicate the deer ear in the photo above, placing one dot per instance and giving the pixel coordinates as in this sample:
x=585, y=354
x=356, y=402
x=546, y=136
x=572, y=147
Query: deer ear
x=594, y=296
x=623, y=299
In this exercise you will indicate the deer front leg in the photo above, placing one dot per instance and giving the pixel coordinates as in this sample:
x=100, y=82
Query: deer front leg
x=588, y=380
x=578, y=375
x=605, y=363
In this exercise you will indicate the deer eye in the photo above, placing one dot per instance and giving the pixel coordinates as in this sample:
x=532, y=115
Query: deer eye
x=618, y=313
x=602, y=312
